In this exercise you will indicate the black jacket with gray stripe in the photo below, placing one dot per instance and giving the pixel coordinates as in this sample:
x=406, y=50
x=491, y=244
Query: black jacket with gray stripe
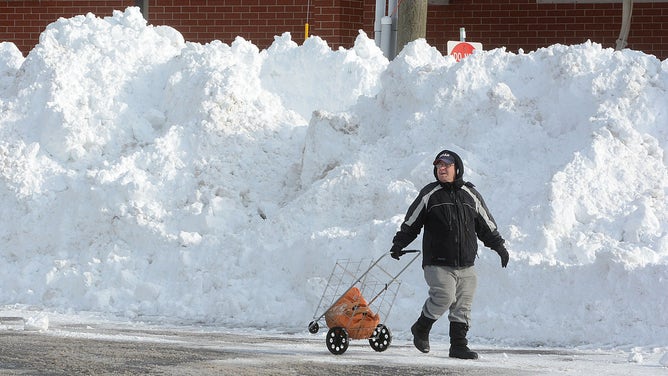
x=454, y=216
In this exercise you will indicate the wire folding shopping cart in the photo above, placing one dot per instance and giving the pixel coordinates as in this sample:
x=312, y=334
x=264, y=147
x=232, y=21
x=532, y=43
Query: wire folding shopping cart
x=347, y=313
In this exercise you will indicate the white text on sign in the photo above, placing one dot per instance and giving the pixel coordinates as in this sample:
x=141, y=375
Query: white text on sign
x=460, y=50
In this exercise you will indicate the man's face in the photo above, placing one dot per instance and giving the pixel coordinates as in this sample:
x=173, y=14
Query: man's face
x=445, y=172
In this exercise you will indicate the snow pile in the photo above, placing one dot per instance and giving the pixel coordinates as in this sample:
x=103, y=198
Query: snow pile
x=10, y=61
x=152, y=178
x=664, y=360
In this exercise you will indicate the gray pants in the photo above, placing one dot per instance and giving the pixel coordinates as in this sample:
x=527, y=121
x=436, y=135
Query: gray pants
x=450, y=289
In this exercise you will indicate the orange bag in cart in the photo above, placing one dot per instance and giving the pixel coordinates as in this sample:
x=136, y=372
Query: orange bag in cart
x=352, y=312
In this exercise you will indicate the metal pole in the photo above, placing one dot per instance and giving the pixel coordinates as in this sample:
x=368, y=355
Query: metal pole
x=308, y=13
x=627, y=8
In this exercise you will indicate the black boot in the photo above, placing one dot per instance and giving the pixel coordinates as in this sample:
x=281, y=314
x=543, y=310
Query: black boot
x=420, y=332
x=458, y=342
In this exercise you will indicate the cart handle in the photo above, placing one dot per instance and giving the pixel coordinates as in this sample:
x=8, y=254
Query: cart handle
x=404, y=251
x=398, y=274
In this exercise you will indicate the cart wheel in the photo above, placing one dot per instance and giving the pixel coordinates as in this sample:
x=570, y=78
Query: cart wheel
x=337, y=340
x=313, y=327
x=381, y=338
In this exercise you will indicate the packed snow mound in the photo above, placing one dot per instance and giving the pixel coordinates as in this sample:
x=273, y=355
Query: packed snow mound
x=10, y=61
x=142, y=175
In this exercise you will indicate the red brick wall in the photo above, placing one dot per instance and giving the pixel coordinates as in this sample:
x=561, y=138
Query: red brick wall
x=255, y=20
x=336, y=21
x=527, y=25
x=352, y=20
x=514, y=24
x=21, y=22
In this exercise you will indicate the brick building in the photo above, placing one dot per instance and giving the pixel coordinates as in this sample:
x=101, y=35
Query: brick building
x=514, y=24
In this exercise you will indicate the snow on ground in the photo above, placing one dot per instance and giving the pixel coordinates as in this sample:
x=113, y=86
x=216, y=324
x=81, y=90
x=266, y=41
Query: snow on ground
x=149, y=178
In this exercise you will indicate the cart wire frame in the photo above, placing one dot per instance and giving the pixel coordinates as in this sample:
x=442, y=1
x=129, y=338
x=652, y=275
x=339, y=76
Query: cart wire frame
x=375, y=281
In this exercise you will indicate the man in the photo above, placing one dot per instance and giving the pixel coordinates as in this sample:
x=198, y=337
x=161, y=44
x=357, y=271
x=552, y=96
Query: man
x=454, y=216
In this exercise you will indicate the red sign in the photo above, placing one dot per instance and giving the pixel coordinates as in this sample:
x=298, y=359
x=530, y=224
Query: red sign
x=460, y=50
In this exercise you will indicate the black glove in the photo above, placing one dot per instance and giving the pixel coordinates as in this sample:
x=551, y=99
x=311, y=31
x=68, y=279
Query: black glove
x=504, y=257
x=396, y=252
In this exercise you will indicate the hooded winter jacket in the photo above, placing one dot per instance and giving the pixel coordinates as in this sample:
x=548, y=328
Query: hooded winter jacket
x=454, y=216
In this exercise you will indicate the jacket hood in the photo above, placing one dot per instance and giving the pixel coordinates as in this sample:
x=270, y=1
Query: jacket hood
x=459, y=165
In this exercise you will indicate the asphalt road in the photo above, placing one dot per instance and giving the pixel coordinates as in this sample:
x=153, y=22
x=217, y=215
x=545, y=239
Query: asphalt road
x=109, y=348
x=85, y=349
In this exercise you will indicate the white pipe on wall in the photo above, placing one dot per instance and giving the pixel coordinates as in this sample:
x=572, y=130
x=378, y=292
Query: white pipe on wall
x=386, y=36
x=392, y=7
x=377, y=23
